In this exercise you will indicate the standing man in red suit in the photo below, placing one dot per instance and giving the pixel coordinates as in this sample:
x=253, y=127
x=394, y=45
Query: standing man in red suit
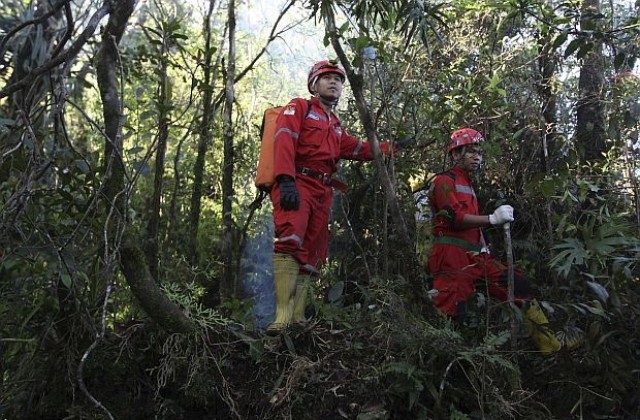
x=309, y=143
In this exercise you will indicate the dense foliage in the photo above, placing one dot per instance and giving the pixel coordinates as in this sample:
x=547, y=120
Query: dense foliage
x=134, y=260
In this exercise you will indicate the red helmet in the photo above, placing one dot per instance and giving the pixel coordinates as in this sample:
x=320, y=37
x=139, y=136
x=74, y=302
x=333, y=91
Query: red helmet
x=464, y=136
x=323, y=67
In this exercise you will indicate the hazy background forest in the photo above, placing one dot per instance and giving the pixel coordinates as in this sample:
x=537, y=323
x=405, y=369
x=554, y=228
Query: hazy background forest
x=134, y=266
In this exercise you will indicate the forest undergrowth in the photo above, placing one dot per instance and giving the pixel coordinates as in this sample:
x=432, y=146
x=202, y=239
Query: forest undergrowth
x=382, y=357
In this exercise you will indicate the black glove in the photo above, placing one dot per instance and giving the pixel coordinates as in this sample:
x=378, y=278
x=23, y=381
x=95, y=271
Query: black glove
x=404, y=141
x=289, y=196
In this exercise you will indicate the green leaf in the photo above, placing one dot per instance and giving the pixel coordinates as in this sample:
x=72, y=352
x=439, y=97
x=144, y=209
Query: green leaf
x=599, y=290
x=572, y=253
x=147, y=114
x=66, y=280
x=8, y=264
x=7, y=122
x=573, y=46
x=335, y=292
x=584, y=49
x=548, y=187
x=493, y=341
x=595, y=308
x=362, y=42
x=289, y=343
x=83, y=166
x=559, y=40
x=343, y=28
x=142, y=167
x=518, y=134
x=81, y=275
x=494, y=81
x=619, y=60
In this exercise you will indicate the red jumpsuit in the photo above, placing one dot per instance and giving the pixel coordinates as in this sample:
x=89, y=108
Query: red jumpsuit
x=309, y=152
x=459, y=258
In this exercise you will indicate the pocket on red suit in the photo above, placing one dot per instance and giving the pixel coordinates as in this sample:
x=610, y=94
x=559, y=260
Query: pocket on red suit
x=313, y=133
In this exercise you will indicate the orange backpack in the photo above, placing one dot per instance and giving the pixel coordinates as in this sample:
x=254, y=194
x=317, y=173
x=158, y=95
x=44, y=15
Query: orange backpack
x=265, y=172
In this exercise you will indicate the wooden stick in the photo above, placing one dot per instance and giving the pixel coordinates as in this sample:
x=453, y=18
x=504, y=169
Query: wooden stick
x=510, y=294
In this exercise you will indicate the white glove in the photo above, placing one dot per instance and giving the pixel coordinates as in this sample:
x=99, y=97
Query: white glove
x=502, y=215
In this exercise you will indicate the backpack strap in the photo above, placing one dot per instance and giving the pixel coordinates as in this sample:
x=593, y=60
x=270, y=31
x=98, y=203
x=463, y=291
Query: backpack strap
x=306, y=114
x=427, y=184
x=449, y=174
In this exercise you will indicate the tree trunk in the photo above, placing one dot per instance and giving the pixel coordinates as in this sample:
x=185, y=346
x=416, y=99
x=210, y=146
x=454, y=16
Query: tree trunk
x=204, y=138
x=108, y=76
x=369, y=127
x=144, y=288
x=590, y=128
x=132, y=258
x=367, y=121
x=153, y=225
x=108, y=73
x=547, y=65
x=228, y=285
x=173, y=235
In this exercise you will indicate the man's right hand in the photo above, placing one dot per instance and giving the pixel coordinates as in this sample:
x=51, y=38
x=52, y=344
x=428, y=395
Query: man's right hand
x=289, y=196
x=502, y=215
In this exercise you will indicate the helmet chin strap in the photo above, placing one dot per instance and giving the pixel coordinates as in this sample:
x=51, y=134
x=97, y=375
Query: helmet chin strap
x=328, y=102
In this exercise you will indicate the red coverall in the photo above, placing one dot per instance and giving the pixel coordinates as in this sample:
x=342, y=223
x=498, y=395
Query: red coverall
x=315, y=146
x=459, y=258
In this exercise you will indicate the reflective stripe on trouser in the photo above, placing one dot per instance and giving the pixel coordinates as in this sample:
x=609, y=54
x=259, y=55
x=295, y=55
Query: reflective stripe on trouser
x=285, y=272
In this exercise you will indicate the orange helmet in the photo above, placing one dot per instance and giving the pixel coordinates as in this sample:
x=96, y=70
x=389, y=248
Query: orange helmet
x=464, y=136
x=323, y=67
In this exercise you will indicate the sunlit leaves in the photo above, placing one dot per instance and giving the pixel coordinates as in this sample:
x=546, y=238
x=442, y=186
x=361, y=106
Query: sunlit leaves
x=413, y=19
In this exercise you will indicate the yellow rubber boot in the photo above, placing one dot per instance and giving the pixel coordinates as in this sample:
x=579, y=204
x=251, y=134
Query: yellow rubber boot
x=300, y=300
x=285, y=271
x=538, y=328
